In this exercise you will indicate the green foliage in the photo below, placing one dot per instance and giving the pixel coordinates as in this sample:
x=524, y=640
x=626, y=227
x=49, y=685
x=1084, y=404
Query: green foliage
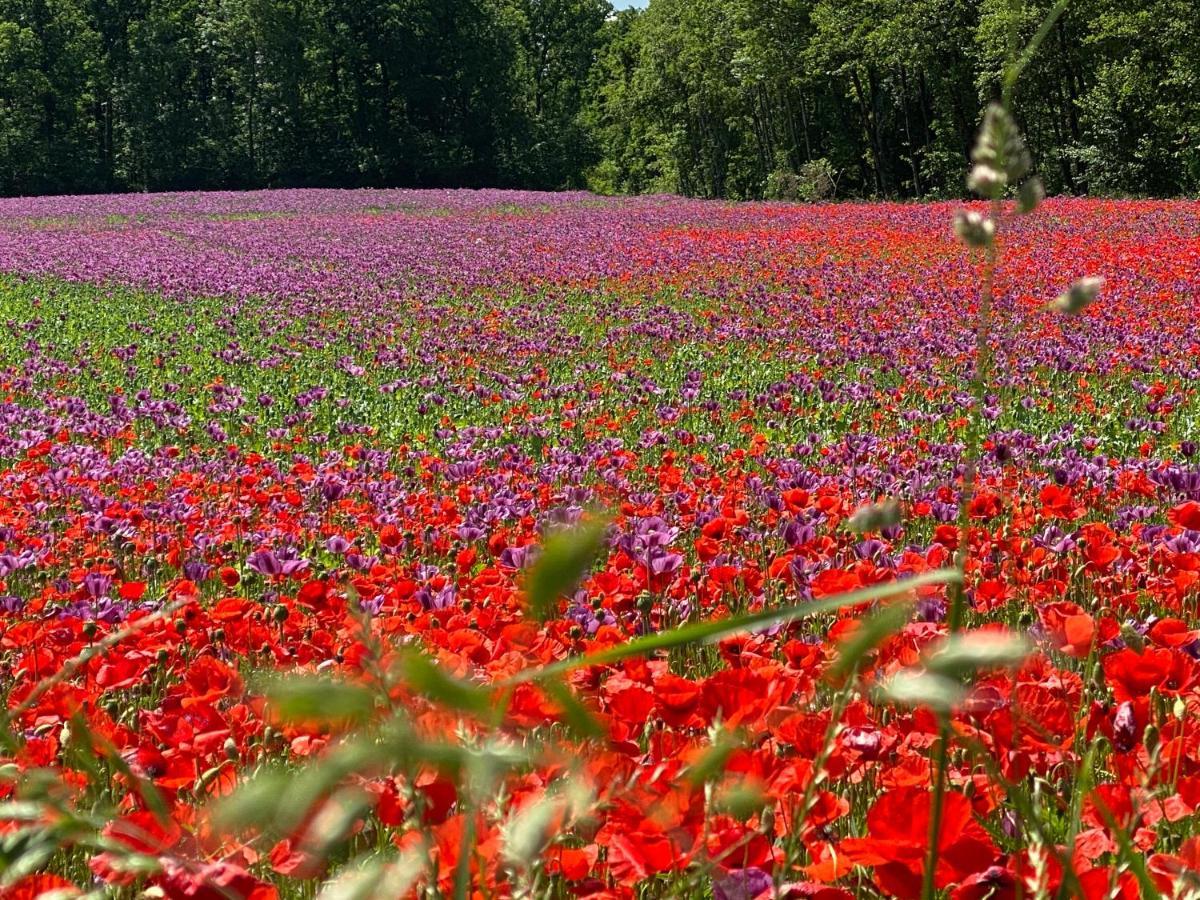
x=714, y=630
x=319, y=700
x=565, y=558
x=735, y=99
x=170, y=94
x=815, y=182
x=784, y=99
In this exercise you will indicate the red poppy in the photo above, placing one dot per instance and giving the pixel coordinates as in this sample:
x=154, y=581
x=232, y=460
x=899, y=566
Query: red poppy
x=897, y=842
x=1186, y=515
x=1132, y=675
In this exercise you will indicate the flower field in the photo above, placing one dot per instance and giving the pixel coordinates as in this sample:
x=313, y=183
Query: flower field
x=288, y=479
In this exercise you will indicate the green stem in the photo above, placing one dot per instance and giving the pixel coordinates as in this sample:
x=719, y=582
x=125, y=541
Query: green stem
x=980, y=380
x=941, y=763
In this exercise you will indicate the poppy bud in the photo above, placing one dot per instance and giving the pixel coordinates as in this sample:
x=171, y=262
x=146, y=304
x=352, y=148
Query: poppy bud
x=1150, y=737
x=163, y=656
x=1132, y=638
x=280, y=613
x=180, y=626
x=219, y=635
x=1179, y=709
x=231, y=749
x=89, y=629
x=1010, y=825
x=767, y=820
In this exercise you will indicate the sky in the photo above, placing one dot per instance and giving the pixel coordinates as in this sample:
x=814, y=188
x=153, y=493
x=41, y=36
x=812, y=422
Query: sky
x=629, y=4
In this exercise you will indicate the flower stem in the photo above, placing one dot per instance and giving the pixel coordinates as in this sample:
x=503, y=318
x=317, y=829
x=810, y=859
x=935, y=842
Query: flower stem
x=980, y=380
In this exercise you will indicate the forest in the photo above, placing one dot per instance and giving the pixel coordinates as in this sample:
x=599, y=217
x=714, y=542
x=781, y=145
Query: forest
x=736, y=99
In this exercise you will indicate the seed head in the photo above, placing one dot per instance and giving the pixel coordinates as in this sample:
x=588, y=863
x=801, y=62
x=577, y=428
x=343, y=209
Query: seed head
x=974, y=230
x=1078, y=296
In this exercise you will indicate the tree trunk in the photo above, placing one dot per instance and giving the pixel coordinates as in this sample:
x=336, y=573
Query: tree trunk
x=912, y=151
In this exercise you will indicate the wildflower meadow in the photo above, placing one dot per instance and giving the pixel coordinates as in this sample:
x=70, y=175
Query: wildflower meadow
x=483, y=544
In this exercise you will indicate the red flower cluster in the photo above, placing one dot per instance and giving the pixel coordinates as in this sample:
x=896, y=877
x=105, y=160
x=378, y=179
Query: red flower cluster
x=348, y=462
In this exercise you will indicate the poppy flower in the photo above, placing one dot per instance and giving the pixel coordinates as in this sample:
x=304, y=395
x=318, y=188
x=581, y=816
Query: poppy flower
x=897, y=842
x=1186, y=515
x=1132, y=675
x=325, y=426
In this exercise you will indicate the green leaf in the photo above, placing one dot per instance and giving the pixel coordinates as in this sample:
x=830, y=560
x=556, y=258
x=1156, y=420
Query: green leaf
x=712, y=761
x=741, y=801
x=25, y=852
x=566, y=556
x=872, y=632
x=278, y=801
x=577, y=717
x=22, y=812
x=874, y=517
x=962, y=655
x=910, y=688
x=1030, y=195
x=697, y=632
x=376, y=877
x=336, y=819
x=430, y=680
x=526, y=833
x=319, y=700
x=255, y=803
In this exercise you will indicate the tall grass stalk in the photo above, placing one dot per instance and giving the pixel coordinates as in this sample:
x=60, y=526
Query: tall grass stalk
x=1000, y=160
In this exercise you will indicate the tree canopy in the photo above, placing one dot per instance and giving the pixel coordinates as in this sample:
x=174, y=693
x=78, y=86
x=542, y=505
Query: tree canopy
x=714, y=98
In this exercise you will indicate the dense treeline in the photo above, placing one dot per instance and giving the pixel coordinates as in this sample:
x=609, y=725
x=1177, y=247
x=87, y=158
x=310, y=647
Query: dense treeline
x=723, y=98
x=156, y=94
x=880, y=97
